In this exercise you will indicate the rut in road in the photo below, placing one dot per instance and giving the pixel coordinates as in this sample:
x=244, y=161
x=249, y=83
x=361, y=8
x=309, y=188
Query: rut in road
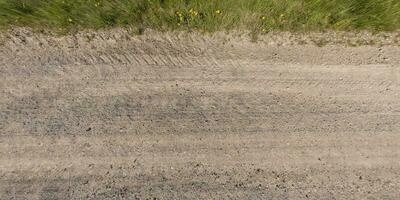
x=114, y=116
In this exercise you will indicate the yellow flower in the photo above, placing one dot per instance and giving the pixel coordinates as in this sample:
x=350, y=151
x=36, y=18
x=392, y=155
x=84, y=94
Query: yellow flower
x=264, y=30
x=69, y=20
x=263, y=18
x=193, y=12
x=218, y=12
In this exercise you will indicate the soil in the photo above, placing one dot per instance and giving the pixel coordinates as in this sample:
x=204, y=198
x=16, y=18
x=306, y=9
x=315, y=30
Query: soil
x=111, y=115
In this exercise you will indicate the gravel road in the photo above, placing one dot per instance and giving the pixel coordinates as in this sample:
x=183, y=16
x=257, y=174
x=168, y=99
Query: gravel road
x=109, y=115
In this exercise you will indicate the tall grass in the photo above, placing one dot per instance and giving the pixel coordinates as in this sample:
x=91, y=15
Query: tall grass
x=257, y=16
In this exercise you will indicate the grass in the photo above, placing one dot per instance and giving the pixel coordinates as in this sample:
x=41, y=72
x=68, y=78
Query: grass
x=258, y=16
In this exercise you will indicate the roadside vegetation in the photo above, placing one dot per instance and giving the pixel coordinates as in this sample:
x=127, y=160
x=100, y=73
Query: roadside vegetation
x=258, y=16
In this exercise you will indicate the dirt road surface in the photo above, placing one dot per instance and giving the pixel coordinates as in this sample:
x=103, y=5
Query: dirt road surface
x=181, y=116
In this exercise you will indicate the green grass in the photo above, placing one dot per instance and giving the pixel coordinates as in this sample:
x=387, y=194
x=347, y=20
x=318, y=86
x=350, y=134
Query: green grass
x=258, y=16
